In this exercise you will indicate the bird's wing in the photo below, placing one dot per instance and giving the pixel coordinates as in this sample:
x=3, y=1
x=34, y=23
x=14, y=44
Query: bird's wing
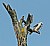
x=36, y=25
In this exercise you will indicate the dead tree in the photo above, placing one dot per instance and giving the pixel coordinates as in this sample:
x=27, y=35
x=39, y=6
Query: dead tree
x=20, y=31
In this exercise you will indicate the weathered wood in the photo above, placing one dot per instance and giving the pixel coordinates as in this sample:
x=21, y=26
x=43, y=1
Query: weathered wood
x=20, y=31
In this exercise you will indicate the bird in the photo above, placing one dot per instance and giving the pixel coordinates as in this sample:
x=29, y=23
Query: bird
x=36, y=28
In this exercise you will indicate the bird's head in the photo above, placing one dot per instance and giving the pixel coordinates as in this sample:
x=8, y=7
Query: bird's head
x=41, y=23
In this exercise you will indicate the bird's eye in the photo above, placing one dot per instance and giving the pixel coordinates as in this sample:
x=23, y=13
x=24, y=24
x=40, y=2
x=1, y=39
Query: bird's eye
x=41, y=23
